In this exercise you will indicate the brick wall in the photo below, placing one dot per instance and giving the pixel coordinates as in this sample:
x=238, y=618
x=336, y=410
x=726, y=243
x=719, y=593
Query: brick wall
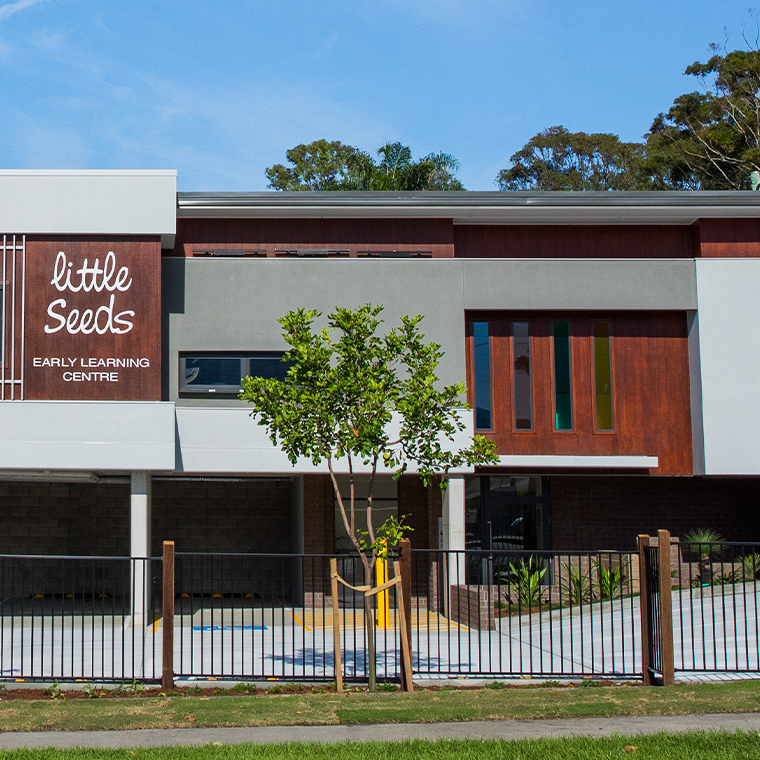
x=222, y=516
x=609, y=512
x=64, y=518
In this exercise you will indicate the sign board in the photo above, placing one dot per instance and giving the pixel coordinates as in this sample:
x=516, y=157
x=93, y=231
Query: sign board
x=93, y=318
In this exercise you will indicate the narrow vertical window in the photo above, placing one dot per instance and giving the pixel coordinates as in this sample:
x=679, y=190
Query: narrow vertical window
x=563, y=383
x=603, y=376
x=522, y=381
x=481, y=341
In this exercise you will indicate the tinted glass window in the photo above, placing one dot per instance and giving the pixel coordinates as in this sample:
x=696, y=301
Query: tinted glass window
x=214, y=371
x=522, y=382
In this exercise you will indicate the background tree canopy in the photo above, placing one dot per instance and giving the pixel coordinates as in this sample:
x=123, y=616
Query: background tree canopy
x=707, y=140
x=323, y=165
x=557, y=159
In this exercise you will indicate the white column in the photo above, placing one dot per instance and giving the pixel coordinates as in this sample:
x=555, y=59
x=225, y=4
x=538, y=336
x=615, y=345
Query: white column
x=454, y=531
x=140, y=508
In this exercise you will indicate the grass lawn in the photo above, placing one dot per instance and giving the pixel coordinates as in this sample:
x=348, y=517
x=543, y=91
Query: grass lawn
x=359, y=707
x=694, y=746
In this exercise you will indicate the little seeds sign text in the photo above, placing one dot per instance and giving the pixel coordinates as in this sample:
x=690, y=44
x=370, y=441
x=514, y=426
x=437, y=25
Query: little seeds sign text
x=101, y=320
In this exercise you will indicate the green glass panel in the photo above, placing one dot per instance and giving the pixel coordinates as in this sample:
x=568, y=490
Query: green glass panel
x=563, y=386
x=603, y=376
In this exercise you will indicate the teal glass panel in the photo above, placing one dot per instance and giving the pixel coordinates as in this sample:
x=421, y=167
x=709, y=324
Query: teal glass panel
x=563, y=383
x=481, y=340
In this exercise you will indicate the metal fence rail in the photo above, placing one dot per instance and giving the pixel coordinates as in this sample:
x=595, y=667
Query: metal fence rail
x=716, y=621
x=508, y=613
x=79, y=618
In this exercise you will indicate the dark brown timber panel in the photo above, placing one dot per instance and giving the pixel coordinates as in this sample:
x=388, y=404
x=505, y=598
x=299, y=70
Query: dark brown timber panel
x=575, y=241
x=729, y=238
x=434, y=235
x=68, y=362
x=650, y=370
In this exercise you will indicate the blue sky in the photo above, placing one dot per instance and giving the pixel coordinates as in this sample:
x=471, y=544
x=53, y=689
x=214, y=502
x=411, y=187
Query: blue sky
x=220, y=90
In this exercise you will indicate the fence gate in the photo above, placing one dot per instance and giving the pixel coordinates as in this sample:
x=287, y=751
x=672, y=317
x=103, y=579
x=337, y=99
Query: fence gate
x=656, y=608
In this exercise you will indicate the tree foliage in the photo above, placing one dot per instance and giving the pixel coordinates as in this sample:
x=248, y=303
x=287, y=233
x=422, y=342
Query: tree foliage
x=557, y=159
x=323, y=165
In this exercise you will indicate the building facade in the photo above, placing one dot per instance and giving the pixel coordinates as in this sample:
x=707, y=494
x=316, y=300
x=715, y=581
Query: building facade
x=608, y=342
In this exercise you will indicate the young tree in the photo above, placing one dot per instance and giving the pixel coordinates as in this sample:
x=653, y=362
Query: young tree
x=342, y=398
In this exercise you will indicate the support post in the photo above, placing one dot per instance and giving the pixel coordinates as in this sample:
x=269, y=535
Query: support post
x=140, y=508
x=405, y=570
x=167, y=670
x=406, y=651
x=453, y=536
x=646, y=673
x=336, y=625
x=666, y=608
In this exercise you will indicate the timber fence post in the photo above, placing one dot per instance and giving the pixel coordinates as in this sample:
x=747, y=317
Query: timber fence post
x=405, y=567
x=336, y=625
x=646, y=644
x=167, y=603
x=666, y=607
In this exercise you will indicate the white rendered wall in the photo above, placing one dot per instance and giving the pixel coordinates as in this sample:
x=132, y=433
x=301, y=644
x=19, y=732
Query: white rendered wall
x=728, y=294
x=88, y=202
x=228, y=441
x=87, y=435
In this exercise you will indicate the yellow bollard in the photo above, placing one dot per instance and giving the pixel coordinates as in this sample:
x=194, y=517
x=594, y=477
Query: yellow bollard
x=381, y=576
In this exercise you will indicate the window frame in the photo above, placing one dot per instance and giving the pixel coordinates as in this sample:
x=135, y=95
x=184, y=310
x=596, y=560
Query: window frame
x=492, y=427
x=572, y=428
x=612, y=429
x=229, y=391
x=532, y=428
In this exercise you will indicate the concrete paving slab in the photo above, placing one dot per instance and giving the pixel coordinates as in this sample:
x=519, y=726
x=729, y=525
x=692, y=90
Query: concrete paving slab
x=504, y=729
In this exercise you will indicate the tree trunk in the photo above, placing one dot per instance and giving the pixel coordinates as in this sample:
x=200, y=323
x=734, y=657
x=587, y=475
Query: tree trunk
x=369, y=619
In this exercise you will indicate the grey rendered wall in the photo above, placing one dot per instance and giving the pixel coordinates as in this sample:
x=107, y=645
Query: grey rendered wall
x=232, y=304
x=228, y=304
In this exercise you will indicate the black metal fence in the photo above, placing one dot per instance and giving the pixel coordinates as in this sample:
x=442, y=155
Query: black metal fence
x=525, y=613
x=716, y=623
x=79, y=618
x=487, y=614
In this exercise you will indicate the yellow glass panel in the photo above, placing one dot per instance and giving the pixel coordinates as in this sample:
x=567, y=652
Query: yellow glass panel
x=603, y=376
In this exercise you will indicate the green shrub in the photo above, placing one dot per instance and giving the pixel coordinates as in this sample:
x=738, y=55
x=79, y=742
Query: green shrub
x=702, y=542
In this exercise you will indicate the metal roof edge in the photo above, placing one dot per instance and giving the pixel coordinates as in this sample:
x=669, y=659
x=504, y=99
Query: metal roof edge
x=460, y=199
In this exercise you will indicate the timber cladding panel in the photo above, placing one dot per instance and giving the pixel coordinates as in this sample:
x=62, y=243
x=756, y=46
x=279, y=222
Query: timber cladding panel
x=576, y=241
x=354, y=235
x=93, y=335
x=650, y=381
x=730, y=238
